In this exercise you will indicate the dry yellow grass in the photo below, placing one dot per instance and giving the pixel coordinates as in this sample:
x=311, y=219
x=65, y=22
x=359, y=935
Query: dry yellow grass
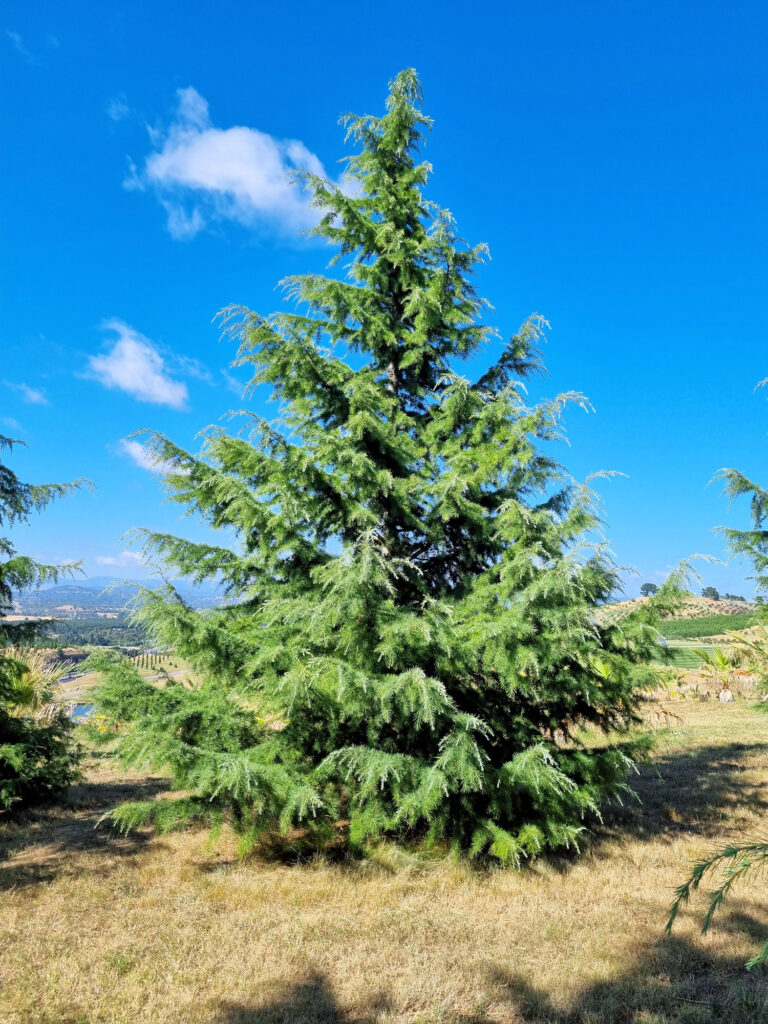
x=97, y=928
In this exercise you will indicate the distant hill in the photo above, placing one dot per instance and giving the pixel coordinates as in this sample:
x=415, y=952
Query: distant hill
x=69, y=595
x=103, y=593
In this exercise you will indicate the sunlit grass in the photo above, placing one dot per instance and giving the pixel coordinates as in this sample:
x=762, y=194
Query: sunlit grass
x=99, y=928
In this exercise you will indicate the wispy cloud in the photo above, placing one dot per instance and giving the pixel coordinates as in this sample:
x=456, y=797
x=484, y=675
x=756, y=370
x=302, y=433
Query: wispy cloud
x=20, y=48
x=143, y=457
x=11, y=423
x=135, y=366
x=35, y=396
x=125, y=558
x=117, y=108
x=233, y=384
x=193, y=368
x=202, y=174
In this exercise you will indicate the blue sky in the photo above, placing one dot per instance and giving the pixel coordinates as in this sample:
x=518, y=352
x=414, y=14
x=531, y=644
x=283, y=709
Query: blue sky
x=614, y=156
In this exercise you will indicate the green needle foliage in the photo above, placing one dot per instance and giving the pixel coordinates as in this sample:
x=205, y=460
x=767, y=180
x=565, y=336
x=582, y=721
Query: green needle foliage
x=411, y=645
x=37, y=755
x=734, y=861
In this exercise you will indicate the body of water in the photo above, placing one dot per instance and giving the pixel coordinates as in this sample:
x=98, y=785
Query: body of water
x=82, y=712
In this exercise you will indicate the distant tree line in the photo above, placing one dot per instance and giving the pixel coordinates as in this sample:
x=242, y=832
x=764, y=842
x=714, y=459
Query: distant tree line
x=714, y=595
x=152, y=661
x=95, y=631
x=649, y=589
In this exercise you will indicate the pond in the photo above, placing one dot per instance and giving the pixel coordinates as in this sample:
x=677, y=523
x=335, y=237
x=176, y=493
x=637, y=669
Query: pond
x=81, y=712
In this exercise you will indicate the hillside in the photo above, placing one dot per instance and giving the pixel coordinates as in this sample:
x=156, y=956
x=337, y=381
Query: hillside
x=698, y=617
x=694, y=607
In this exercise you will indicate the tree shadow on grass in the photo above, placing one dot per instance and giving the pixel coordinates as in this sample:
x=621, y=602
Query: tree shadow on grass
x=681, y=792
x=309, y=1001
x=690, y=791
x=37, y=843
x=672, y=982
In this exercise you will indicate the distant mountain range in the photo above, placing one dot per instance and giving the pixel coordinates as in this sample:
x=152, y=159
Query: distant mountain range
x=103, y=593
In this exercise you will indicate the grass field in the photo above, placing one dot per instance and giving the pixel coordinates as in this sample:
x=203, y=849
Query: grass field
x=683, y=657
x=709, y=625
x=98, y=928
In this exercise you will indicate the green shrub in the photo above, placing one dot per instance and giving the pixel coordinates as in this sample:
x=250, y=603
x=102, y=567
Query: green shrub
x=37, y=759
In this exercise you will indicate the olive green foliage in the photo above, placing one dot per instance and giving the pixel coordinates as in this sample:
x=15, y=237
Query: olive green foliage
x=38, y=757
x=411, y=637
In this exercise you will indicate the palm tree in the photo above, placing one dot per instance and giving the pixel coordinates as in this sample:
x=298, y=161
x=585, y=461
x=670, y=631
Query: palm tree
x=719, y=663
x=751, y=651
x=32, y=689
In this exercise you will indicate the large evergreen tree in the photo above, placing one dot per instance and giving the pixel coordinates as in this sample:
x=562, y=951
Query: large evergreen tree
x=411, y=642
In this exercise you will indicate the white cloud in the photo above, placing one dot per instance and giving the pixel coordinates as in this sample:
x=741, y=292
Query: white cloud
x=117, y=108
x=143, y=457
x=135, y=366
x=182, y=224
x=233, y=384
x=35, y=396
x=18, y=45
x=191, y=367
x=202, y=174
x=9, y=421
x=123, y=559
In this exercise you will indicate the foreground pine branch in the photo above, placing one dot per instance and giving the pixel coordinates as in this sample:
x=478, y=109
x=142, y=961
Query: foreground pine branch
x=734, y=862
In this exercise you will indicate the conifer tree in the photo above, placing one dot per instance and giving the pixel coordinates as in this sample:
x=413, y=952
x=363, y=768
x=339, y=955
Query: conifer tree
x=38, y=757
x=410, y=646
